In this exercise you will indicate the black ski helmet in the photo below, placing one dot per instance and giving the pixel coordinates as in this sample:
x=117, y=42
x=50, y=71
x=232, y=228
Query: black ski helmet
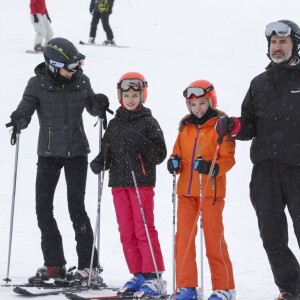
x=59, y=53
x=295, y=35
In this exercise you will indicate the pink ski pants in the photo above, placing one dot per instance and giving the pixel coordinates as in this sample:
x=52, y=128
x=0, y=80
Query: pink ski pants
x=132, y=229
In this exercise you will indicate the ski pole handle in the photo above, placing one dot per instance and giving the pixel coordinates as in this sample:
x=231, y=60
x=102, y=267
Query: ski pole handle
x=15, y=130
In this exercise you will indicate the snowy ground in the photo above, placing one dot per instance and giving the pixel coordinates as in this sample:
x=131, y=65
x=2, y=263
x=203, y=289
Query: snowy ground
x=172, y=43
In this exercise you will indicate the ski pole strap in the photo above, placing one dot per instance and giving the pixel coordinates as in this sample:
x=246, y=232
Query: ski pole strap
x=110, y=111
x=16, y=129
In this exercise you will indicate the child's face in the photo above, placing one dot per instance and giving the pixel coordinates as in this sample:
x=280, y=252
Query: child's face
x=131, y=99
x=199, y=106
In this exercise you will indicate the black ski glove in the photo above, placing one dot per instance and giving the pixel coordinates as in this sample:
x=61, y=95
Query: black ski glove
x=20, y=118
x=173, y=164
x=49, y=19
x=35, y=19
x=203, y=167
x=97, y=164
x=141, y=143
x=101, y=104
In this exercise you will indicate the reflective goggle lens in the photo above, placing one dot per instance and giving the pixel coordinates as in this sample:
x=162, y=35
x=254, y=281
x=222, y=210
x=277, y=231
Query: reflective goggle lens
x=196, y=92
x=279, y=28
x=134, y=83
x=75, y=66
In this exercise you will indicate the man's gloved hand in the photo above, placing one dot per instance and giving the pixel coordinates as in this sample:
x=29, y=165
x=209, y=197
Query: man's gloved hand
x=228, y=126
x=48, y=17
x=173, y=164
x=141, y=143
x=203, y=167
x=20, y=118
x=97, y=164
x=35, y=19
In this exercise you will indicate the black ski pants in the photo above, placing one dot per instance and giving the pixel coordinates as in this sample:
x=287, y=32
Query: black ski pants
x=105, y=24
x=274, y=187
x=48, y=173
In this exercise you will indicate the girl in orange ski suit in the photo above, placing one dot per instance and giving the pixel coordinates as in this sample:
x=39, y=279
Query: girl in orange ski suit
x=194, y=140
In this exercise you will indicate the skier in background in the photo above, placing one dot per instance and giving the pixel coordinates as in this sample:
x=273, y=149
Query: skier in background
x=270, y=117
x=101, y=9
x=135, y=135
x=193, y=152
x=59, y=92
x=41, y=23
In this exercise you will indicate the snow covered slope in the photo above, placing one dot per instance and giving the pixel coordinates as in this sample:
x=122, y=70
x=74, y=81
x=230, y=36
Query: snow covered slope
x=172, y=43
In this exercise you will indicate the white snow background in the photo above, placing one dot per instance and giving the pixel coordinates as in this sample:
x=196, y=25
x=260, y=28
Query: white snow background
x=172, y=43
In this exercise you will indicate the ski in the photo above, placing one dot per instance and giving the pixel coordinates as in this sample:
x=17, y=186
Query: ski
x=101, y=45
x=73, y=296
x=93, y=295
x=44, y=291
x=33, y=51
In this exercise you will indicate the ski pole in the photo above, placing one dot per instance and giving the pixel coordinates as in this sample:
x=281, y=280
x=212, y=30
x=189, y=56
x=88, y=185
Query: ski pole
x=14, y=140
x=144, y=220
x=201, y=241
x=97, y=226
x=174, y=222
x=200, y=206
x=102, y=124
x=99, y=187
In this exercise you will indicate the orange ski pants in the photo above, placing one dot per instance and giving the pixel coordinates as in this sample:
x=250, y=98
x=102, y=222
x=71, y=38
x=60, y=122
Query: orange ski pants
x=216, y=247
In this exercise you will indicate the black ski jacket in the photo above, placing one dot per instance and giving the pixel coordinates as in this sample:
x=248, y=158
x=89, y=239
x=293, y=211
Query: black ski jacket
x=120, y=171
x=59, y=107
x=270, y=115
x=94, y=5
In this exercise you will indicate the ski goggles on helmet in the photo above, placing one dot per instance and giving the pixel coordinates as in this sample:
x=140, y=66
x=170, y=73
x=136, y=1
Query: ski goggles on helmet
x=133, y=83
x=196, y=92
x=279, y=28
x=72, y=67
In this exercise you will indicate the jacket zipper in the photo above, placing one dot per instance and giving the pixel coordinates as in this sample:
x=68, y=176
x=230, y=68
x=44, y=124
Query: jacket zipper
x=67, y=123
x=48, y=151
x=192, y=163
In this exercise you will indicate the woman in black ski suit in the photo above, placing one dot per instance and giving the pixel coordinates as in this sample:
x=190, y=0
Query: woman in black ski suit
x=59, y=93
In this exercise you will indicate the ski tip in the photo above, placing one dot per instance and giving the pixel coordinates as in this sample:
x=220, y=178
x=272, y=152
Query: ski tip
x=33, y=51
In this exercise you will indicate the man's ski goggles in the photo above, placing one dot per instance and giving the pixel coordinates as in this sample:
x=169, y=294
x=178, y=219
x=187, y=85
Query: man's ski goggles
x=73, y=67
x=196, y=92
x=279, y=28
x=133, y=83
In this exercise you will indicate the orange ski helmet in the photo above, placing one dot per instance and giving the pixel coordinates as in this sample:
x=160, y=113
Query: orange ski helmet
x=135, y=81
x=200, y=89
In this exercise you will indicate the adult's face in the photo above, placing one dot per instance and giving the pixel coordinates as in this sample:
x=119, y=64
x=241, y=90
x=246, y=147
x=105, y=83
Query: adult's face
x=280, y=48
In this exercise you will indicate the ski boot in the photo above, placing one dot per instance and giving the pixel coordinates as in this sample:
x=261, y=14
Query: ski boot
x=133, y=285
x=287, y=296
x=222, y=295
x=44, y=273
x=185, y=294
x=152, y=288
x=82, y=275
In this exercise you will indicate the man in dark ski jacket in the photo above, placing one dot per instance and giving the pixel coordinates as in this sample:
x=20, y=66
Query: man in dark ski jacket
x=59, y=93
x=270, y=117
x=101, y=9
